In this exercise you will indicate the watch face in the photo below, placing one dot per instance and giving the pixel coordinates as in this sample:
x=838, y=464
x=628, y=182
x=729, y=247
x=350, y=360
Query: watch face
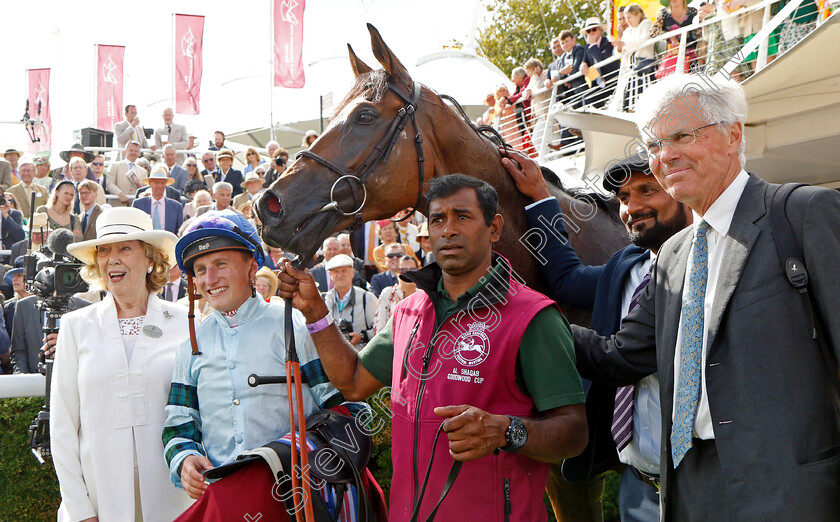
x=517, y=434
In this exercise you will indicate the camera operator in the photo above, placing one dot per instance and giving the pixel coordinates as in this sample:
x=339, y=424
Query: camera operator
x=353, y=309
x=279, y=162
x=11, y=230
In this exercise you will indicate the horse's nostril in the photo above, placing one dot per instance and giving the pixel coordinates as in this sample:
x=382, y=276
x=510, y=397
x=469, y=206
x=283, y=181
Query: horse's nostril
x=274, y=205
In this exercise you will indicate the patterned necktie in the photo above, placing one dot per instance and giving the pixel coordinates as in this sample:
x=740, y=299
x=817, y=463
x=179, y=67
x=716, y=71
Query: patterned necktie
x=622, y=424
x=169, y=292
x=156, y=217
x=84, y=223
x=77, y=206
x=688, y=385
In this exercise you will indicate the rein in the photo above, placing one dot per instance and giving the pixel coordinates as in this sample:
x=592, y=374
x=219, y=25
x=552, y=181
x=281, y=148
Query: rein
x=380, y=153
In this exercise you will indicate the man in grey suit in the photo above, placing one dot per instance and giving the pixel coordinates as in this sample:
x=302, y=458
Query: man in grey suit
x=173, y=133
x=176, y=172
x=750, y=427
x=130, y=129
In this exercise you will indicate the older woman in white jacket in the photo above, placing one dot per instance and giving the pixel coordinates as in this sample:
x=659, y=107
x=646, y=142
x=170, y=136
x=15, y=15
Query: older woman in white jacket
x=111, y=377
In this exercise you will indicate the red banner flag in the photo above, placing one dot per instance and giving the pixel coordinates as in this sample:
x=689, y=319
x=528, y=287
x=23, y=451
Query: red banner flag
x=288, y=43
x=109, y=85
x=39, y=107
x=189, y=37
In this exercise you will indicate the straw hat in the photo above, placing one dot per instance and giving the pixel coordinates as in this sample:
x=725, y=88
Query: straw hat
x=269, y=274
x=159, y=172
x=224, y=153
x=252, y=177
x=424, y=230
x=12, y=151
x=39, y=219
x=592, y=22
x=124, y=224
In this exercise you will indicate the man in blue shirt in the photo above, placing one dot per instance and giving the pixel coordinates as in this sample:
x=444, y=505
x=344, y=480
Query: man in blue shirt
x=625, y=419
x=212, y=414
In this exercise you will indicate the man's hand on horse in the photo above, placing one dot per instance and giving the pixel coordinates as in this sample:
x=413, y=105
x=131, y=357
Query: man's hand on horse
x=528, y=176
x=191, y=477
x=472, y=433
x=299, y=285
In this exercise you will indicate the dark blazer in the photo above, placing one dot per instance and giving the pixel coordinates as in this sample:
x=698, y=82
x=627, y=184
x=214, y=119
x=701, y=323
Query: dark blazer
x=182, y=290
x=772, y=400
x=599, y=53
x=595, y=288
x=12, y=229
x=234, y=177
x=171, y=193
x=27, y=337
x=180, y=175
x=174, y=212
x=382, y=281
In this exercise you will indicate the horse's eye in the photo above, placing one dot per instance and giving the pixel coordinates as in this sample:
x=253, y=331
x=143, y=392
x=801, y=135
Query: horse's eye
x=365, y=118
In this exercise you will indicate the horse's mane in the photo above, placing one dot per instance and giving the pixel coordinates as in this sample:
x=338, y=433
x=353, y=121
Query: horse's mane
x=373, y=86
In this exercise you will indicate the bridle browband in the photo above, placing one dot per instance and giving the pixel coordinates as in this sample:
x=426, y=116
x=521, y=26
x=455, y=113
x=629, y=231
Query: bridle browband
x=380, y=153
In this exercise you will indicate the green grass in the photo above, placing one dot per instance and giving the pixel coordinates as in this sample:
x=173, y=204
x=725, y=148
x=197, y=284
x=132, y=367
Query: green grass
x=28, y=490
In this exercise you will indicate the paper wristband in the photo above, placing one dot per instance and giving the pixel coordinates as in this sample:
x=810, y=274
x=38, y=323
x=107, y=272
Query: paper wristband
x=319, y=325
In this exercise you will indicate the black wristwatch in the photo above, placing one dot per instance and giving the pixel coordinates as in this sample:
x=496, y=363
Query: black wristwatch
x=516, y=434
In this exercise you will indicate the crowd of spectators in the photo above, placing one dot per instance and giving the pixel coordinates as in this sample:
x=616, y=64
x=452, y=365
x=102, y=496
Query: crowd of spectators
x=174, y=189
x=585, y=72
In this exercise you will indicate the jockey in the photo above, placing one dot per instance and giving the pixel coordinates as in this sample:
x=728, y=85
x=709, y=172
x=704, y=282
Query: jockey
x=212, y=414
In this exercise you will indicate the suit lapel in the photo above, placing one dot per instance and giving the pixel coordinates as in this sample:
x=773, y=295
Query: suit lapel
x=736, y=248
x=669, y=278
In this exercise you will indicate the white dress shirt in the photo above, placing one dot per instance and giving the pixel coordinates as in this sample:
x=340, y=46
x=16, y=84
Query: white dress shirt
x=643, y=450
x=719, y=217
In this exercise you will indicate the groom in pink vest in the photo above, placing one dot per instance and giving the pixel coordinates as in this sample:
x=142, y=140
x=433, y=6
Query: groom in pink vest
x=484, y=391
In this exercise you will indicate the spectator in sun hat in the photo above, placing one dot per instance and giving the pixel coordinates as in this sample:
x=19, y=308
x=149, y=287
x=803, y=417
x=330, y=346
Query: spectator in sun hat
x=226, y=171
x=167, y=214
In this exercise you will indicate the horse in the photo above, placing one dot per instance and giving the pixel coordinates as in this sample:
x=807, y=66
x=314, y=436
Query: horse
x=369, y=164
x=344, y=180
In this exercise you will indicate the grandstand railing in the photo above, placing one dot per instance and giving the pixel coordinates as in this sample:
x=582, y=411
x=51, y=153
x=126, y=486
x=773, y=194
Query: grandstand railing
x=715, y=46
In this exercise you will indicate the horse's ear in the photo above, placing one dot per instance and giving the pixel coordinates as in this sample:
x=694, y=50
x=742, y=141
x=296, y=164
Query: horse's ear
x=359, y=67
x=392, y=65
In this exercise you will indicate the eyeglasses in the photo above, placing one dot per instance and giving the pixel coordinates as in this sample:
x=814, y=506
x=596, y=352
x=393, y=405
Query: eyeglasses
x=404, y=270
x=97, y=163
x=208, y=160
x=84, y=192
x=679, y=139
x=392, y=256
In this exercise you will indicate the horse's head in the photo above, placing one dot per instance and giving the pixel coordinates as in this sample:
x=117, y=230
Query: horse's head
x=364, y=165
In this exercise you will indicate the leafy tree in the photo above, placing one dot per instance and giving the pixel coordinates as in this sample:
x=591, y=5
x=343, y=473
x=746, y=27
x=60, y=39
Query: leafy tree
x=520, y=29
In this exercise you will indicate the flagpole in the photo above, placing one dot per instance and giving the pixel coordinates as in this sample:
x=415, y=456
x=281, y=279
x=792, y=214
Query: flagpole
x=174, y=74
x=271, y=72
x=95, y=86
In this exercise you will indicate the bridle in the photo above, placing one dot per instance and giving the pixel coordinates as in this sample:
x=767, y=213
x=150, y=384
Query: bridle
x=380, y=153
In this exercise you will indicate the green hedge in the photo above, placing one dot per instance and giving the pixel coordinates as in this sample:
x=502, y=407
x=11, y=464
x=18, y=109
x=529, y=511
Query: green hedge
x=29, y=491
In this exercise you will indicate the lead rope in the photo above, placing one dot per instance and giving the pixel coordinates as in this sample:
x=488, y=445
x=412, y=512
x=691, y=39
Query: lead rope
x=450, y=480
x=191, y=313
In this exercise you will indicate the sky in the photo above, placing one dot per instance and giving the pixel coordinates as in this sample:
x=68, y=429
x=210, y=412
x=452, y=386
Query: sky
x=236, y=91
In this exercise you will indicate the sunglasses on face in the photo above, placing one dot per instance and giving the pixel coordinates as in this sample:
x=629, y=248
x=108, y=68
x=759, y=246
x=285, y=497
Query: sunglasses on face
x=98, y=163
x=392, y=256
x=404, y=270
x=207, y=160
x=592, y=30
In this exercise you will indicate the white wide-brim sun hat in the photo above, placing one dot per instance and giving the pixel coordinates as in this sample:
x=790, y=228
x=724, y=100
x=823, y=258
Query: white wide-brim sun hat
x=124, y=224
